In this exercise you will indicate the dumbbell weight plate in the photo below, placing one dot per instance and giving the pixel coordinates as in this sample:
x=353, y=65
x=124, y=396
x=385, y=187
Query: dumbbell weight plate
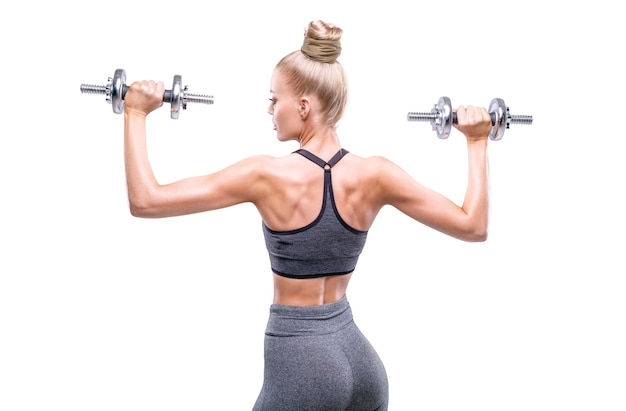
x=499, y=118
x=117, y=92
x=442, y=123
x=175, y=97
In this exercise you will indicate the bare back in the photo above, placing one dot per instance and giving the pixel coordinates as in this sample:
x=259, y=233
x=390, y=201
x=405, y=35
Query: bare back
x=296, y=200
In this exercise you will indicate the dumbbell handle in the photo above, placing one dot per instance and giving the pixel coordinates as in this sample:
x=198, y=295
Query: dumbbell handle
x=441, y=118
x=431, y=116
x=492, y=115
x=116, y=89
x=514, y=119
x=167, y=95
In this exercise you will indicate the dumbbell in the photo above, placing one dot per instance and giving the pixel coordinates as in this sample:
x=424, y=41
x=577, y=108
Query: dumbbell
x=116, y=89
x=441, y=118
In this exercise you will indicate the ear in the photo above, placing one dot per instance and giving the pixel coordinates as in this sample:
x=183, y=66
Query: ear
x=305, y=107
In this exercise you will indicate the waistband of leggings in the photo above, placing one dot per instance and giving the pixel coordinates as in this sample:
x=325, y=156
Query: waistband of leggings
x=291, y=320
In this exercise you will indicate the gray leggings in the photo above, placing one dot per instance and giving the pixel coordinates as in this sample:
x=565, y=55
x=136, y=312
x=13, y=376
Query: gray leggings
x=317, y=359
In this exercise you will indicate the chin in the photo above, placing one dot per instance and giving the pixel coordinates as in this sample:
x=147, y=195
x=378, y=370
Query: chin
x=281, y=138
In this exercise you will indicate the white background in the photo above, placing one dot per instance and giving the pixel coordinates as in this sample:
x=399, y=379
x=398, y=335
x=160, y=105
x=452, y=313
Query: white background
x=103, y=311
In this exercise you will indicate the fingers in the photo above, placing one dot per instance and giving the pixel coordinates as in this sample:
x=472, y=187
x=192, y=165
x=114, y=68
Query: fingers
x=148, y=88
x=472, y=115
x=153, y=87
x=474, y=122
x=144, y=96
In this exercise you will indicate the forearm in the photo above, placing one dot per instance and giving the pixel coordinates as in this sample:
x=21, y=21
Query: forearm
x=476, y=202
x=140, y=178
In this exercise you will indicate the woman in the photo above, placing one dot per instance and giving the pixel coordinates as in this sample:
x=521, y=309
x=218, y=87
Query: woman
x=316, y=205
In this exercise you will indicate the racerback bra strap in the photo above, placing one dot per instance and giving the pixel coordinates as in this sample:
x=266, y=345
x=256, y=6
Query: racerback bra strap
x=338, y=156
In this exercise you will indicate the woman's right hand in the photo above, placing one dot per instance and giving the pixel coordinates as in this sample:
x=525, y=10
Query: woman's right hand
x=474, y=122
x=144, y=97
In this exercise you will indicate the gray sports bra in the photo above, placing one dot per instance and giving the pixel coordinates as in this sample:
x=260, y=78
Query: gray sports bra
x=327, y=246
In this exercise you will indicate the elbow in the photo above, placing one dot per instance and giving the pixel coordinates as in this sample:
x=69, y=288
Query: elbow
x=136, y=211
x=474, y=233
x=140, y=205
x=471, y=235
x=479, y=235
x=477, y=228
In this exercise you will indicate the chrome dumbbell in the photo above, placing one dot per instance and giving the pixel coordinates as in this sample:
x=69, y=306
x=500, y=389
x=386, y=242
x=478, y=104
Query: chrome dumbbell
x=116, y=89
x=441, y=118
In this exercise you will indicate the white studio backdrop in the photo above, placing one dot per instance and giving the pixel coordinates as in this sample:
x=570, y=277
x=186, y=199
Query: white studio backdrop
x=103, y=311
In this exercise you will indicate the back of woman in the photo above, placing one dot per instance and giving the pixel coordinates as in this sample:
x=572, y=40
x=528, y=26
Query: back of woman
x=316, y=205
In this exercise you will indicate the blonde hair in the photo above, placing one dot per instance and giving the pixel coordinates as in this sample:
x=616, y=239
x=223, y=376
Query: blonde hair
x=314, y=69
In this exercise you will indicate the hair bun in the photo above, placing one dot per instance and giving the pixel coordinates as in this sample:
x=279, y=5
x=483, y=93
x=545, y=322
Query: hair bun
x=322, y=42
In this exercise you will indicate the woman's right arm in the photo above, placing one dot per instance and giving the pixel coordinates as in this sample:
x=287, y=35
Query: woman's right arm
x=241, y=182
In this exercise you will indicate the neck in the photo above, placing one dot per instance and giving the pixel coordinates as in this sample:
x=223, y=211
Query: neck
x=322, y=142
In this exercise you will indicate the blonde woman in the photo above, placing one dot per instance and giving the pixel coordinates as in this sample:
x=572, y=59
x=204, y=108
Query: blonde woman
x=316, y=205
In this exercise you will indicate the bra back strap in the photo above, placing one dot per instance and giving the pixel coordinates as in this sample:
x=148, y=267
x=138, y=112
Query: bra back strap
x=338, y=156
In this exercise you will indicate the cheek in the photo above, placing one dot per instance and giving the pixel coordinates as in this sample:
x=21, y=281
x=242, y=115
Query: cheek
x=279, y=116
